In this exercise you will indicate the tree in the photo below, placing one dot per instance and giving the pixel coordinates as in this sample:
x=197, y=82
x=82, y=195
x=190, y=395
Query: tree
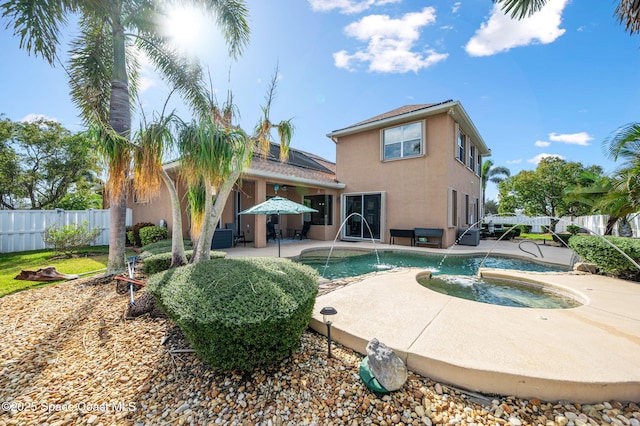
x=491, y=207
x=542, y=192
x=103, y=70
x=491, y=174
x=627, y=12
x=215, y=152
x=42, y=163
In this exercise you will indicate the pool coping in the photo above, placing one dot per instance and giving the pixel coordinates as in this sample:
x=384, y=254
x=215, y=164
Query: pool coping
x=583, y=354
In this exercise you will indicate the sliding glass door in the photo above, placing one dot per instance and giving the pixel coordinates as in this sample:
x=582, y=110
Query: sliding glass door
x=359, y=206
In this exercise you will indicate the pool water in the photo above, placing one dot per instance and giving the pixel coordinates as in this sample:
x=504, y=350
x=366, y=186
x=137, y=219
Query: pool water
x=345, y=263
x=497, y=291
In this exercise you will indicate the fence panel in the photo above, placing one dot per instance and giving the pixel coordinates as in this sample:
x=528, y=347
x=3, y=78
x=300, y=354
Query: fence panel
x=594, y=224
x=21, y=230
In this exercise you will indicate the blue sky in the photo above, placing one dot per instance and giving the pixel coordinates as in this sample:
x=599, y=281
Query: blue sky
x=558, y=83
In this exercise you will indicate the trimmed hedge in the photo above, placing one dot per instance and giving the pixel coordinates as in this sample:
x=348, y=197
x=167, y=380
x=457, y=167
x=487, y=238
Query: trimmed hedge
x=152, y=234
x=594, y=250
x=162, y=246
x=239, y=314
x=136, y=232
x=162, y=261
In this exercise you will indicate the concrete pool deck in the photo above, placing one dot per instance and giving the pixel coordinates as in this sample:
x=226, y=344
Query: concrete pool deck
x=583, y=354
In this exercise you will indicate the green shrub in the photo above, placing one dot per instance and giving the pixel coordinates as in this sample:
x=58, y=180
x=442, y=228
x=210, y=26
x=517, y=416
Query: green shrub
x=68, y=239
x=239, y=314
x=562, y=238
x=507, y=232
x=162, y=246
x=152, y=234
x=130, y=238
x=525, y=229
x=136, y=232
x=155, y=263
x=594, y=249
x=573, y=229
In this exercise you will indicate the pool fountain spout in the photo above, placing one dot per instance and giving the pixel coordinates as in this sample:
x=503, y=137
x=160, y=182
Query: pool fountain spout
x=340, y=233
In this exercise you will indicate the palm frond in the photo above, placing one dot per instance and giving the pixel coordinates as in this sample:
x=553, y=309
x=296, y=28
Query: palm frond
x=231, y=16
x=520, y=9
x=624, y=143
x=37, y=24
x=628, y=13
x=116, y=151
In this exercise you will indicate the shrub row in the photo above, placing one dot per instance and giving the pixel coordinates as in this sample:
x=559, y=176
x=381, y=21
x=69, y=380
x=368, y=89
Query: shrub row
x=162, y=261
x=596, y=250
x=239, y=314
x=152, y=234
x=161, y=246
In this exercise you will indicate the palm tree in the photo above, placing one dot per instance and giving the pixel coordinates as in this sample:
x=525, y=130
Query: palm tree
x=627, y=12
x=488, y=173
x=214, y=153
x=103, y=70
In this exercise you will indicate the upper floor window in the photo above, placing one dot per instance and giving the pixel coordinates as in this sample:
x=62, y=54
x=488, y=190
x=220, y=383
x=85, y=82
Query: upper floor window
x=462, y=141
x=402, y=141
x=479, y=165
x=472, y=157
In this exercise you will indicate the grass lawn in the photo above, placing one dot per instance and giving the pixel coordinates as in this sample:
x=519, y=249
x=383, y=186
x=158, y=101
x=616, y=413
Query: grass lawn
x=540, y=237
x=12, y=263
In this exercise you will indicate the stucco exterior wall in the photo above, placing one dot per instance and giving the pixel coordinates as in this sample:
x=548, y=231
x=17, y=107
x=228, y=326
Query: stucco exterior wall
x=416, y=189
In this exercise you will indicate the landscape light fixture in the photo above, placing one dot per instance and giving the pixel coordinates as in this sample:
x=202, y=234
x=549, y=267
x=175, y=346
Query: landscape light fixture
x=328, y=310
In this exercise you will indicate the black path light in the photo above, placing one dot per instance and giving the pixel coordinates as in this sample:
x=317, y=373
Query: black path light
x=328, y=311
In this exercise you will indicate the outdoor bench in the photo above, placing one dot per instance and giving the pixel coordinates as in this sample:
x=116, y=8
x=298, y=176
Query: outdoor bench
x=402, y=233
x=430, y=237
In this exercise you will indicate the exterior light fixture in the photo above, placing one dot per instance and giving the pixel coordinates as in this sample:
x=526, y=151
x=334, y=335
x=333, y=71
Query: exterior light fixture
x=327, y=311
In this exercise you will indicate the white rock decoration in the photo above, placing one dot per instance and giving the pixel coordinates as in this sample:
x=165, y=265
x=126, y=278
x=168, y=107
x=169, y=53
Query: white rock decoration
x=386, y=366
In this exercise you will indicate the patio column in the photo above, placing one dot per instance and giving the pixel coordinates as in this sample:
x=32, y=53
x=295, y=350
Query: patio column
x=260, y=220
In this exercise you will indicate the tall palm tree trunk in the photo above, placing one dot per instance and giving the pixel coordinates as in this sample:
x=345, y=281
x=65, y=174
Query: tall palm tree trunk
x=178, y=256
x=120, y=121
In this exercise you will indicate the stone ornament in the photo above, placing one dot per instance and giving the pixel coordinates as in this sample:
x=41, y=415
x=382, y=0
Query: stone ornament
x=386, y=366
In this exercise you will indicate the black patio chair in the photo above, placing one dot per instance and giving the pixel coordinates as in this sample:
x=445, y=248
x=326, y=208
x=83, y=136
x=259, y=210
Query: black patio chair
x=302, y=234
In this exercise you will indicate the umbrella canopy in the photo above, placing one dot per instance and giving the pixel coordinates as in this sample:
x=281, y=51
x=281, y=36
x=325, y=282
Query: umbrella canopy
x=278, y=205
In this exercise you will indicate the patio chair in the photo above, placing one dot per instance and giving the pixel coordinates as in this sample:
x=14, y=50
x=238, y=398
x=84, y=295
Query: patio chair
x=303, y=232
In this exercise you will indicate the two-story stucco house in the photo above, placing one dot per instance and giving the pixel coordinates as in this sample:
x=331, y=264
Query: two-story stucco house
x=415, y=166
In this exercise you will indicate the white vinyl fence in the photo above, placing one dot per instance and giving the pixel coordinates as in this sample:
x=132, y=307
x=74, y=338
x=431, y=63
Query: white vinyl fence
x=21, y=230
x=595, y=224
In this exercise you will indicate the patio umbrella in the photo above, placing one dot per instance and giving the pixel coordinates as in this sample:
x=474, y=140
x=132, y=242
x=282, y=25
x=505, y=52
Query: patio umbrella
x=278, y=205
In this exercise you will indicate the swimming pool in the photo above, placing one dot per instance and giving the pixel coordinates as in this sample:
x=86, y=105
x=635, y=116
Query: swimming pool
x=350, y=263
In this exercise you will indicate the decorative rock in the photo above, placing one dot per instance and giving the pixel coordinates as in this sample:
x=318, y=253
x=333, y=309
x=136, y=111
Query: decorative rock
x=386, y=366
x=585, y=267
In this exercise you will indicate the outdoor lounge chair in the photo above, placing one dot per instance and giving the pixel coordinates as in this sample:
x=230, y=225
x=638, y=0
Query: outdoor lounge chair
x=302, y=234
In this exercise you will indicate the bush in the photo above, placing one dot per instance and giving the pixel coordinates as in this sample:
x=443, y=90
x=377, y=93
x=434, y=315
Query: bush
x=573, y=229
x=594, y=249
x=162, y=246
x=69, y=239
x=136, y=232
x=162, y=261
x=562, y=238
x=239, y=314
x=130, y=238
x=152, y=234
x=525, y=229
x=507, y=232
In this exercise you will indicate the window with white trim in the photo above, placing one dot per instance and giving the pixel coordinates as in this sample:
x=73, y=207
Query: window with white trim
x=462, y=139
x=472, y=157
x=479, y=165
x=402, y=141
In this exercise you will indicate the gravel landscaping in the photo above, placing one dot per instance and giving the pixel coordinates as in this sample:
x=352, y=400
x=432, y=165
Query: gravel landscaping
x=68, y=357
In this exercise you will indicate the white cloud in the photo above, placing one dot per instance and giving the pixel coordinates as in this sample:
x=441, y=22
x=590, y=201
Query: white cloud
x=347, y=6
x=32, y=118
x=581, y=138
x=456, y=7
x=518, y=161
x=390, y=47
x=537, y=158
x=502, y=33
x=542, y=144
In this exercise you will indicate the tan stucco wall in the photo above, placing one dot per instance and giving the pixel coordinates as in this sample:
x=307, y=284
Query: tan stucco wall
x=416, y=188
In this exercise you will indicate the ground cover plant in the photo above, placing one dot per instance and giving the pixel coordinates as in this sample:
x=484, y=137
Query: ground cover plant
x=87, y=259
x=239, y=314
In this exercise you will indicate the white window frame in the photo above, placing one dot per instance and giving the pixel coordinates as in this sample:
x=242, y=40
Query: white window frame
x=472, y=157
x=461, y=146
x=402, y=156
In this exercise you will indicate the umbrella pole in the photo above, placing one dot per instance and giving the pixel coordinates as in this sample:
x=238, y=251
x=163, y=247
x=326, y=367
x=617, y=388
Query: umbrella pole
x=279, y=234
